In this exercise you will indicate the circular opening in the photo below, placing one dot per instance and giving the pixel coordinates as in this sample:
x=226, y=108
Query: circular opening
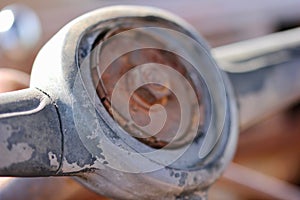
x=138, y=66
x=149, y=91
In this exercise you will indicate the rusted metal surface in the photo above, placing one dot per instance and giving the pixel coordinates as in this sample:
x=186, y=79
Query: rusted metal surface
x=148, y=95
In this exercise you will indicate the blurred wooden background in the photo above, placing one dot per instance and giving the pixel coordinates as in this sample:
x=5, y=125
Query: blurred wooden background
x=267, y=162
x=218, y=21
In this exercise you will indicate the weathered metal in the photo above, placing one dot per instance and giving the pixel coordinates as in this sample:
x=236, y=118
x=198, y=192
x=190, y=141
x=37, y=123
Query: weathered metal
x=91, y=163
x=31, y=139
x=264, y=73
x=79, y=137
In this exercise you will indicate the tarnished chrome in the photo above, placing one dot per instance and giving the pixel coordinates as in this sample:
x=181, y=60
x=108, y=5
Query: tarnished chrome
x=80, y=137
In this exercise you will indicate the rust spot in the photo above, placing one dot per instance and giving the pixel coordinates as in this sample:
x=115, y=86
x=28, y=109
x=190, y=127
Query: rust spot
x=147, y=95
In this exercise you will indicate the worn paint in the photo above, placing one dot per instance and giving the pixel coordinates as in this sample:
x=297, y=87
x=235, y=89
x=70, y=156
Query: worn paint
x=53, y=160
x=18, y=153
x=183, y=177
x=74, y=167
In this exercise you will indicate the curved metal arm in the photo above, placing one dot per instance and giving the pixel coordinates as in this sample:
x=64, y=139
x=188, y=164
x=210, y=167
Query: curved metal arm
x=30, y=135
x=264, y=72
